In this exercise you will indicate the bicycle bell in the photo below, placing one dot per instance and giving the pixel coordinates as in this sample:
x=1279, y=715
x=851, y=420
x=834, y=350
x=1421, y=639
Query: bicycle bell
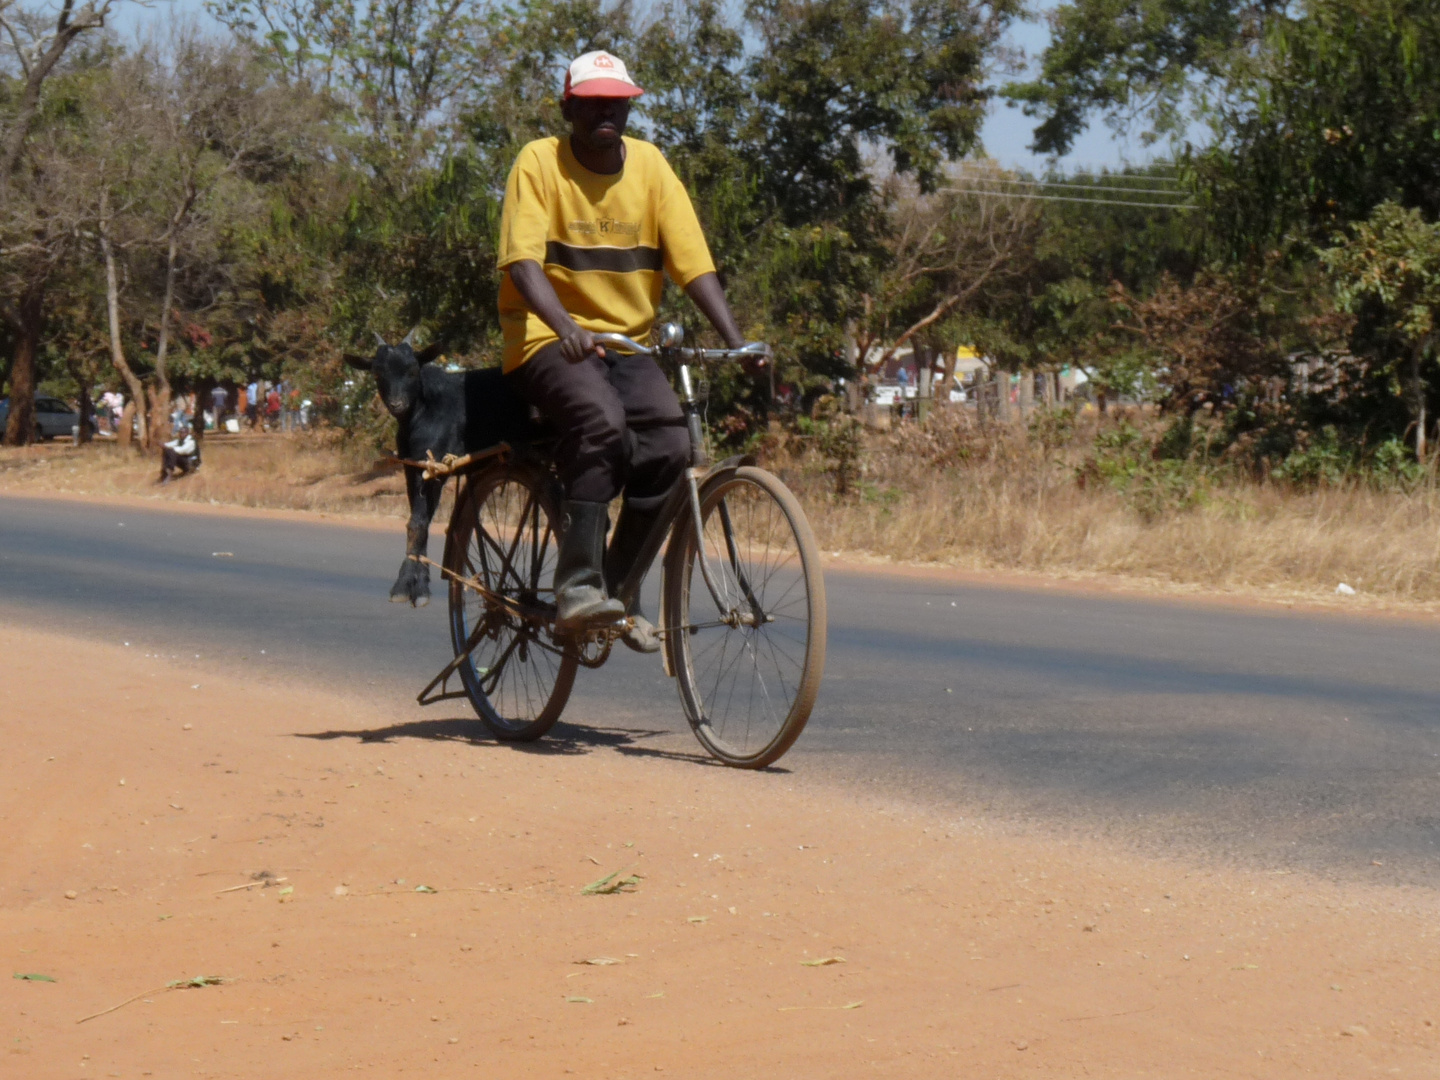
x=671, y=335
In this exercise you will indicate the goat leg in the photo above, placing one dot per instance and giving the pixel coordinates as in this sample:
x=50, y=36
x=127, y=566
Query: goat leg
x=413, y=581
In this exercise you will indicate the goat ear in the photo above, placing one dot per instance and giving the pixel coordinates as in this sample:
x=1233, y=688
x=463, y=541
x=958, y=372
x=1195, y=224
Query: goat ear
x=430, y=352
x=359, y=363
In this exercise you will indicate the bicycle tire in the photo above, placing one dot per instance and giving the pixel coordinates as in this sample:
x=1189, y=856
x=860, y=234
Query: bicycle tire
x=502, y=532
x=777, y=647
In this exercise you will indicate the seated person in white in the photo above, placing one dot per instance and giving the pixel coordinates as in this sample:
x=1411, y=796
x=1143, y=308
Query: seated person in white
x=179, y=455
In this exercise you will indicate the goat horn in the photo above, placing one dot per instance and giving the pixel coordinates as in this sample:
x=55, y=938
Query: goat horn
x=379, y=340
x=410, y=337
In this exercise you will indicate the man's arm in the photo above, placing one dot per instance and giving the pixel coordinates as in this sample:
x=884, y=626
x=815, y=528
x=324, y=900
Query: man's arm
x=530, y=281
x=709, y=297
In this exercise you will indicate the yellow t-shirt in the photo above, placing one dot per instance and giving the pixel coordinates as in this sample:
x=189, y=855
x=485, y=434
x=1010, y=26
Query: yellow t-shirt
x=603, y=241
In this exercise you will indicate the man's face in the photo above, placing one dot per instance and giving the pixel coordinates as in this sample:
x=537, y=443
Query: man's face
x=597, y=123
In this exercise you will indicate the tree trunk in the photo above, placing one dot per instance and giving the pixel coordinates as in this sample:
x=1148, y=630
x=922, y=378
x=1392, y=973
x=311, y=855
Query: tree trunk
x=1418, y=387
x=127, y=426
x=87, y=407
x=117, y=351
x=160, y=408
x=20, y=427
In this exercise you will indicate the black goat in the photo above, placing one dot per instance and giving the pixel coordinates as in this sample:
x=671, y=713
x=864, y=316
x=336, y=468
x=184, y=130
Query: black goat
x=443, y=413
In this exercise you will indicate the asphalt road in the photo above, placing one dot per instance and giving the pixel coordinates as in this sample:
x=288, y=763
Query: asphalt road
x=1280, y=740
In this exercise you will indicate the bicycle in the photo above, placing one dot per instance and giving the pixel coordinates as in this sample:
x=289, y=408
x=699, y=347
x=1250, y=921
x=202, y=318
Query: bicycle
x=742, y=599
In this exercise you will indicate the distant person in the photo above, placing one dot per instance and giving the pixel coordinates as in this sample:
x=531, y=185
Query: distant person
x=219, y=402
x=291, y=412
x=114, y=403
x=272, y=409
x=252, y=404
x=179, y=455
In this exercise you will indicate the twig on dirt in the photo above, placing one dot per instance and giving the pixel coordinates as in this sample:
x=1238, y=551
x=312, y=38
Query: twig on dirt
x=175, y=984
x=1107, y=1016
x=799, y=1008
x=263, y=883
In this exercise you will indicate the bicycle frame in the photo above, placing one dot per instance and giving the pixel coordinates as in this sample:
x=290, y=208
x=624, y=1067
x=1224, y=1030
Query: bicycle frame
x=698, y=474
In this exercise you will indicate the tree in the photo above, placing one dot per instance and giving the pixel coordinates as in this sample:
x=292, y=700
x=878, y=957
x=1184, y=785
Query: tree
x=1387, y=273
x=35, y=46
x=1202, y=339
x=946, y=248
x=1146, y=62
x=212, y=119
x=1337, y=111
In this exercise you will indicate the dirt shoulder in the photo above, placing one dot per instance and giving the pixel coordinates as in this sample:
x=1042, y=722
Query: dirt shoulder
x=151, y=787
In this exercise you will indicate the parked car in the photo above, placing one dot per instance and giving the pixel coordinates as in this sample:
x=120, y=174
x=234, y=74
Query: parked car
x=53, y=418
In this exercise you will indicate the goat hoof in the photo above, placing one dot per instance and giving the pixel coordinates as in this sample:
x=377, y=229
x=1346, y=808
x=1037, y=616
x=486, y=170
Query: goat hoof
x=420, y=601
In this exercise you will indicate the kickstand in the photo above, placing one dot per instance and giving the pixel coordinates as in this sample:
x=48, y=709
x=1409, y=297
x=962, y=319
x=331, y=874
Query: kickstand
x=425, y=697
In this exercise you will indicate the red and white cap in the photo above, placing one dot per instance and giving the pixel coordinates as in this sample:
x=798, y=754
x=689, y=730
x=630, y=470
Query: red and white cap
x=598, y=74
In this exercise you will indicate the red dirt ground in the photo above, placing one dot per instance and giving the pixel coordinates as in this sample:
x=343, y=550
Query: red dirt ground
x=136, y=792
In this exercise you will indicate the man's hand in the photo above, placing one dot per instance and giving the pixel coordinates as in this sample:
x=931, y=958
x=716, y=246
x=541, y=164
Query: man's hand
x=577, y=344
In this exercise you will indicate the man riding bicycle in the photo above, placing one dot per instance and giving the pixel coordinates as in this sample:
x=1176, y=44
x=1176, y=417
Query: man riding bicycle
x=589, y=225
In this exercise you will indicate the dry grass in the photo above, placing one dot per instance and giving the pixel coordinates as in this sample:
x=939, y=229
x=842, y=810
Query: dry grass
x=952, y=496
x=303, y=472
x=1004, y=501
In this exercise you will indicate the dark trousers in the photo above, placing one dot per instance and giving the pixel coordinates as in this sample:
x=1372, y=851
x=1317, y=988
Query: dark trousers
x=619, y=423
x=170, y=462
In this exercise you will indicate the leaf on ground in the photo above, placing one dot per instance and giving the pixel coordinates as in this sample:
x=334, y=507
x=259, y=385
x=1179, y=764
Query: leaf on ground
x=600, y=961
x=823, y=961
x=32, y=976
x=577, y=1000
x=196, y=982
x=698, y=918
x=425, y=888
x=612, y=883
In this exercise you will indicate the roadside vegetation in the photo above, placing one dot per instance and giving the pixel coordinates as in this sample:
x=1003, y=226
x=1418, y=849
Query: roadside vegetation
x=1255, y=309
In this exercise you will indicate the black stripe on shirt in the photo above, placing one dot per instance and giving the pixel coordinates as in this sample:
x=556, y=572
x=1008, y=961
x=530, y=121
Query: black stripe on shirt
x=613, y=259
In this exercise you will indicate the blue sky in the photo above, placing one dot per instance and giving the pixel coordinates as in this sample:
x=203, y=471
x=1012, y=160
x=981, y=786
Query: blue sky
x=1006, y=134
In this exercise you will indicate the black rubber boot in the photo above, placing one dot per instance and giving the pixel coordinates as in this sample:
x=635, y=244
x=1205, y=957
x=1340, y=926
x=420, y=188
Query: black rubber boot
x=580, y=599
x=630, y=533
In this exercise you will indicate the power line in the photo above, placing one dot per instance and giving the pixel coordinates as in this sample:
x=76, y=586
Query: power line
x=1058, y=184
x=1093, y=202
x=1099, y=178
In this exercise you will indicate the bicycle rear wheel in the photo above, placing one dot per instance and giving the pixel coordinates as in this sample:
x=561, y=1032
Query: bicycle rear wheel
x=502, y=536
x=748, y=668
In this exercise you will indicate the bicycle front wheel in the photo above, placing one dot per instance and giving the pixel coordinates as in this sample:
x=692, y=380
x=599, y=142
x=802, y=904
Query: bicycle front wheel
x=747, y=655
x=502, y=538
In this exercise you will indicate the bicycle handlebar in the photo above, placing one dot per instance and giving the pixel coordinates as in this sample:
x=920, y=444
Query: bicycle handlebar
x=753, y=350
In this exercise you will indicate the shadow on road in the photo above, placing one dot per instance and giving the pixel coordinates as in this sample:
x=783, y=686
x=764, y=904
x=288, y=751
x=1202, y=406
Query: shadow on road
x=563, y=739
